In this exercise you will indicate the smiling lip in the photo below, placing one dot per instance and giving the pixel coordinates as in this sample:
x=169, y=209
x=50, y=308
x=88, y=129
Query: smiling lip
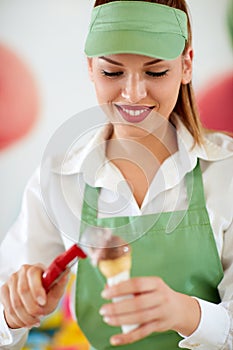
x=134, y=114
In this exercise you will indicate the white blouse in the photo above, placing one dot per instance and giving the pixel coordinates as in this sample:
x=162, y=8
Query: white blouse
x=52, y=203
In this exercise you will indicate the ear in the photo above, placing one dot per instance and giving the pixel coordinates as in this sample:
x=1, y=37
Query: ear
x=90, y=67
x=187, y=66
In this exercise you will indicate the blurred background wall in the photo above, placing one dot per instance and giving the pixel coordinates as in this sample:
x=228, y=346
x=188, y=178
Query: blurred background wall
x=44, y=81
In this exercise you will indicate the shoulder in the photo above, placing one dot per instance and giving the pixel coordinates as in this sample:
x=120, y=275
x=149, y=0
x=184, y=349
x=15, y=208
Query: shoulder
x=218, y=146
x=217, y=162
x=217, y=173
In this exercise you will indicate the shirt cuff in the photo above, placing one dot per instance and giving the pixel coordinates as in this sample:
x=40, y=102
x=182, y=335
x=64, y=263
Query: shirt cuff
x=213, y=328
x=9, y=336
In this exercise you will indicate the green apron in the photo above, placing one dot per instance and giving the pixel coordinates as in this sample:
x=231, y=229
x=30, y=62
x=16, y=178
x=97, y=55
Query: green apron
x=186, y=259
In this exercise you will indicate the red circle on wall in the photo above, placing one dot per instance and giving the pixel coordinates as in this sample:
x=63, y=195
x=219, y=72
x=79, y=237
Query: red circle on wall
x=19, y=101
x=216, y=104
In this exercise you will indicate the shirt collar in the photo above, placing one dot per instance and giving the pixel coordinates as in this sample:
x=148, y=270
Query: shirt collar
x=216, y=145
x=96, y=169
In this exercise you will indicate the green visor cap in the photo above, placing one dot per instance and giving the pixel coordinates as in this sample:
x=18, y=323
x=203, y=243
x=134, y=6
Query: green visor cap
x=137, y=27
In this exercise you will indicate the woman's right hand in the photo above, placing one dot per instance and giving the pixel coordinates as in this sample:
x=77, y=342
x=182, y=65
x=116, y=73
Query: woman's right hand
x=24, y=298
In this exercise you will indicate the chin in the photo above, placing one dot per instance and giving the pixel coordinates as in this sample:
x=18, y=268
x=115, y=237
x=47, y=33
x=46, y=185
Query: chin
x=130, y=131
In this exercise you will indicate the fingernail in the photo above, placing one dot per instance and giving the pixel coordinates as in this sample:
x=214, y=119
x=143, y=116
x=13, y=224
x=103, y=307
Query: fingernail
x=41, y=301
x=115, y=341
x=102, y=312
x=105, y=294
x=106, y=319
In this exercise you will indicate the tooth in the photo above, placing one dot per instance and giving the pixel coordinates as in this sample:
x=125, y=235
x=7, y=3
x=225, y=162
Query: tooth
x=134, y=113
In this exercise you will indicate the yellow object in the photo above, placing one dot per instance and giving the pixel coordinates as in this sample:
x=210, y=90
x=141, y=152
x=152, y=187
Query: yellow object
x=53, y=321
x=70, y=335
x=112, y=267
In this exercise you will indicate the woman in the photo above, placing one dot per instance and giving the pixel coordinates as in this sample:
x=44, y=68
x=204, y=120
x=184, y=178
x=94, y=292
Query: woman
x=139, y=57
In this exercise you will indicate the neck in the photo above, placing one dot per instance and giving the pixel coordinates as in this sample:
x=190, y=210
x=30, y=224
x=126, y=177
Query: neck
x=139, y=157
x=134, y=143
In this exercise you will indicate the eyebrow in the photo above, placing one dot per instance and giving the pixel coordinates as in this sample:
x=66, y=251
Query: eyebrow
x=152, y=62
x=111, y=61
x=120, y=64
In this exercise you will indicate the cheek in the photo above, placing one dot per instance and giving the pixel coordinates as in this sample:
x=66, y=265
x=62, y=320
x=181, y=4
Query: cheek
x=167, y=92
x=167, y=96
x=105, y=91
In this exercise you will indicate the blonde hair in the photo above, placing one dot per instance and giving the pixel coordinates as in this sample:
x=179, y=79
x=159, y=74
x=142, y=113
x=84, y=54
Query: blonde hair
x=185, y=107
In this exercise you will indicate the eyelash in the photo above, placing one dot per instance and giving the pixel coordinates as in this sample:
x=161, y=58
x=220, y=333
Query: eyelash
x=157, y=74
x=111, y=74
x=151, y=74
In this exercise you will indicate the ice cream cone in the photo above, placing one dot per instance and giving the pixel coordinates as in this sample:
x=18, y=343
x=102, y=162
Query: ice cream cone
x=115, y=263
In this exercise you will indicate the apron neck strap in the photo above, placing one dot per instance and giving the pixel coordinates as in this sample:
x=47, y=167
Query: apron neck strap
x=195, y=189
x=194, y=186
x=90, y=206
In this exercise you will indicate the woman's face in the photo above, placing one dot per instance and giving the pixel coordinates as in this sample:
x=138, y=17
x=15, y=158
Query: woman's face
x=131, y=87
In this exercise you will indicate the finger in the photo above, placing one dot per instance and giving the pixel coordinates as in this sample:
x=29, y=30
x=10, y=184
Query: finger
x=11, y=318
x=34, y=276
x=16, y=302
x=137, y=334
x=140, y=317
x=25, y=290
x=16, y=315
x=55, y=294
x=135, y=303
x=133, y=286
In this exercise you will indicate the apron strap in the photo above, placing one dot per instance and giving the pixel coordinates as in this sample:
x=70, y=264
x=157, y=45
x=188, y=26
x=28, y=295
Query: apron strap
x=195, y=189
x=90, y=205
x=194, y=186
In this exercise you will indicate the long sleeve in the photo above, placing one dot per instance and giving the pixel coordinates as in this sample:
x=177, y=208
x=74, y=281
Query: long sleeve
x=9, y=338
x=215, y=330
x=226, y=286
x=32, y=239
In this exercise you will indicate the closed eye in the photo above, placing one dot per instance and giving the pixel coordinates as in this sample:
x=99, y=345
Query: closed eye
x=111, y=74
x=157, y=74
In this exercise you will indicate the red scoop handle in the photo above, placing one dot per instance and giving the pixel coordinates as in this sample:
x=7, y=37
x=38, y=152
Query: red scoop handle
x=60, y=265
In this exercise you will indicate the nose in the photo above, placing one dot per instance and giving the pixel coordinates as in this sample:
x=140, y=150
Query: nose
x=134, y=89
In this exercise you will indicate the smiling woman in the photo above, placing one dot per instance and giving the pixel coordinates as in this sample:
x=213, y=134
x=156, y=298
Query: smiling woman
x=150, y=177
x=186, y=104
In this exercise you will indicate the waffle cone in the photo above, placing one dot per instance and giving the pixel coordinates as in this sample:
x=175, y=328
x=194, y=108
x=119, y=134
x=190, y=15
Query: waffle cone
x=112, y=267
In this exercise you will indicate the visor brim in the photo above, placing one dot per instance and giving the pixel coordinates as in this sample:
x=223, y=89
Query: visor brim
x=165, y=46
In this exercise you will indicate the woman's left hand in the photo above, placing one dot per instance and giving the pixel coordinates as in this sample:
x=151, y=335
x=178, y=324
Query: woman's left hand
x=154, y=306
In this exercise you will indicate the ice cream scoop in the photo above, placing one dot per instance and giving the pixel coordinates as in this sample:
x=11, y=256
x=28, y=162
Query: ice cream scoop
x=60, y=265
